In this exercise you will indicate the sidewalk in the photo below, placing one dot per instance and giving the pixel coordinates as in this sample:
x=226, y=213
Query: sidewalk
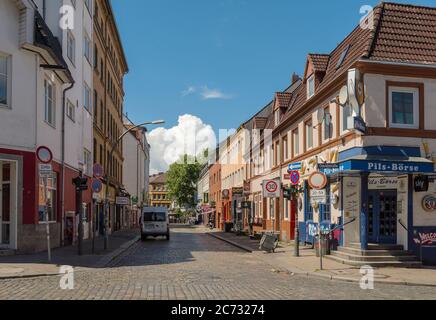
x=309, y=264
x=36, y=265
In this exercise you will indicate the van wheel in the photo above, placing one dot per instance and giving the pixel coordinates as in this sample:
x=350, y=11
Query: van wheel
x=168, y=236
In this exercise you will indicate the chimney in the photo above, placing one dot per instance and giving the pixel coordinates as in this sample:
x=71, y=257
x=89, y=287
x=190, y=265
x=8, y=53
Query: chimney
x=295, y=78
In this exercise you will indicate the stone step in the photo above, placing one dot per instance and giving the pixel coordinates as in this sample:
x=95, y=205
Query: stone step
x=387, y=258
x=356, y=251
x=375, y=246
x=7, y=252
x=378, y=264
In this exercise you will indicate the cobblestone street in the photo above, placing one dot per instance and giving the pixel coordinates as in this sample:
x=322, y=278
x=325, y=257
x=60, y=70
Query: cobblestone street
x=194, y=265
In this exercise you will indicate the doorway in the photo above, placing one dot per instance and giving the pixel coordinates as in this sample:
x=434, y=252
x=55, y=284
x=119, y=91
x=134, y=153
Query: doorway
x=7, y=204
x=382, y=217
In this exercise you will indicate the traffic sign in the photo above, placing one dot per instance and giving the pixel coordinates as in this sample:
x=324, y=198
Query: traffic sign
x=294, y=167
x=96, y=185
x=44, y=155
x=295, y=177
x=98, y=170
x=271, y=188
x=318, y=196
x=317, y=180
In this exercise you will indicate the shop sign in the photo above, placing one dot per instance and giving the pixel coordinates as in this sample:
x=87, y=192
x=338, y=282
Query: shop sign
x=247, y=187
x=427, y=238
x=359, y=125
x=226, y=194
x=318, y=196
x=382, y=183
x=271, y=188
x=429, y=203
x=122, y=201
x=328, y=168
x=387, y=166
x=237, y=191
x=318, y=180
x=421, y=184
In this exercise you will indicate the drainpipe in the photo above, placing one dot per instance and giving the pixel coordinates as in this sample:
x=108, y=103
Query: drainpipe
x=64, y=92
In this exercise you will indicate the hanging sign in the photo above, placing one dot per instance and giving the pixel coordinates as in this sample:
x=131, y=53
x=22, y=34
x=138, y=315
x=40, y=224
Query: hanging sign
x=122, y=201
x=329, y=168
x=359, y=125
x=317, y=180
x=226, y=194
x=294, y=167
x=421, y=183
x=383, y=183
x=429, y=203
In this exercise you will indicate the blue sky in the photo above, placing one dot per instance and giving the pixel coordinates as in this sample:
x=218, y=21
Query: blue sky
x=222, y=60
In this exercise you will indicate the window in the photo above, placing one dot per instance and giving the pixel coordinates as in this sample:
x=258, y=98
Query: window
x=87, y=48
x=5, y=86
x=309, y=135
x=295, y=142
x=95, y=106
x=327, y=125
x=342, y=57
x=286, y=204
x=285, y=151
x=71, y=110
x=87, y=160
x=71, y=47
x=51, y=197
x=88, y=5
x=50, y=103
x=404, y=107
x=277, y=117
x=311, y=86
x=346, y=114
x=86, y=97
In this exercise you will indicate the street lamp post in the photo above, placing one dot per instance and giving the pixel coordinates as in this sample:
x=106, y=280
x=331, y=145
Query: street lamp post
x=107, y=177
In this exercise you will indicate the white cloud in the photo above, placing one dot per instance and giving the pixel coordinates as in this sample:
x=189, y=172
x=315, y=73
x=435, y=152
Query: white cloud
x=205, y=93
x=208, y=94
x=191, y=136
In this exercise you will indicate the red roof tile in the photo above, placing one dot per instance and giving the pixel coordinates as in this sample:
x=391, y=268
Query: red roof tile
x=319, y=61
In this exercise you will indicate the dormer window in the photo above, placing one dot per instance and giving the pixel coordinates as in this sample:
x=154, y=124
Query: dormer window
x=311, y=86
x=277, y=117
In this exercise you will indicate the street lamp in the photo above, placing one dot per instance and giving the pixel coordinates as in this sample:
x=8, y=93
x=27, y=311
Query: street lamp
x=106, y=202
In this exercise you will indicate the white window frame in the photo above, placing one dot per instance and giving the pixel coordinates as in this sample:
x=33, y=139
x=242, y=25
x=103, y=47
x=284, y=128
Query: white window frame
x=53, y=100
x=296, y=142
x=8, y=104
x=87, y=99
x=71, y=110
x=87, y=162
x=87, y=48
x=415, y=92
x=310, y=85
x=277, y=117
x=309, y=129
x=71, y=46
x=344, y=121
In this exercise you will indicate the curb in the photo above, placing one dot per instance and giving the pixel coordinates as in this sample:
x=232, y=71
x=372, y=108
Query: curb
x=107, y=259
x=237, y=245
x=29, y=276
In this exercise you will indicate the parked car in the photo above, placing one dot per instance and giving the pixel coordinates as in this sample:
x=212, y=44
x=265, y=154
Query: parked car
x=155, y=223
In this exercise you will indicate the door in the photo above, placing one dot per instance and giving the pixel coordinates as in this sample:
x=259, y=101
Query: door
x=5, y=204
x=382, y=217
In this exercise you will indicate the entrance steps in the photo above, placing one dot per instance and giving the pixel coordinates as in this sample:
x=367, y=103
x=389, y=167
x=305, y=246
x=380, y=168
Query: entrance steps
x=7, y=252
x=376, y=256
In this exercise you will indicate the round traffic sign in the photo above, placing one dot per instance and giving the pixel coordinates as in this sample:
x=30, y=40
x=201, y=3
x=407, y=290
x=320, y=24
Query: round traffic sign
x=96, y=186
x=98, y=170
x=317, y=180
x=271, y=186
x=44, y=155
x=295, y=177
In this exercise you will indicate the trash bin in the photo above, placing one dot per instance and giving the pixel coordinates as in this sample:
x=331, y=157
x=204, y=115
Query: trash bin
x=325, y=246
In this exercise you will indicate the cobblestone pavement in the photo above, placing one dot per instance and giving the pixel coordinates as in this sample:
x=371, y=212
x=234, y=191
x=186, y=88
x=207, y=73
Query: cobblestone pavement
x=194, y=265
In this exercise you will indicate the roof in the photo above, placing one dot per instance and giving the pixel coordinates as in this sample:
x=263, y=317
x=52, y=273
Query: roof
x=405, y=33
x=283, y=99
x=319, y=61
x=160, y=178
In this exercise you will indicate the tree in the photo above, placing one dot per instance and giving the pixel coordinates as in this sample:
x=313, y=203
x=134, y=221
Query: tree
x=182, y=177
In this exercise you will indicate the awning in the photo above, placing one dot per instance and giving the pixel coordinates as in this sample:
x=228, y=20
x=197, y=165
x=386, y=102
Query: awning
x=383, y=164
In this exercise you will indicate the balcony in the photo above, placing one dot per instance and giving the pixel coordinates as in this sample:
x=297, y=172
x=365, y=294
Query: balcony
x=49, y=47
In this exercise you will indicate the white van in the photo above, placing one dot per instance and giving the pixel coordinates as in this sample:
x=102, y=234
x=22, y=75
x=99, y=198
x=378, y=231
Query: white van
x=155, y=223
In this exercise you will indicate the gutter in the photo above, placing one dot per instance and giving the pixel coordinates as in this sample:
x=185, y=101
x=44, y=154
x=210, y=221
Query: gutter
x=64, y=92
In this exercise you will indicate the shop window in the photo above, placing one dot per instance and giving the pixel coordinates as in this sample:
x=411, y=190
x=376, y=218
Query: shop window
x=51, y=197
x=404, y=107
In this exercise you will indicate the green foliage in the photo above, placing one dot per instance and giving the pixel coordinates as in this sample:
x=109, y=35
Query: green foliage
x=182, y=177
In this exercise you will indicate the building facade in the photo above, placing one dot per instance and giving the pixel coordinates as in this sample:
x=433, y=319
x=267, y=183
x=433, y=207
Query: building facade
x=46, y=83
x=136, y=168
x=109, y=68
x=159, y=191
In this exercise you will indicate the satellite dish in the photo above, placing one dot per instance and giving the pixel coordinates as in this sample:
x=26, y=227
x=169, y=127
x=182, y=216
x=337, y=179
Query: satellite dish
x=343, y=96
x=320, y=115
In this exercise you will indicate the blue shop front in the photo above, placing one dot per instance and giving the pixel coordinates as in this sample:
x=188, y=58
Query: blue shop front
x=383, y=195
